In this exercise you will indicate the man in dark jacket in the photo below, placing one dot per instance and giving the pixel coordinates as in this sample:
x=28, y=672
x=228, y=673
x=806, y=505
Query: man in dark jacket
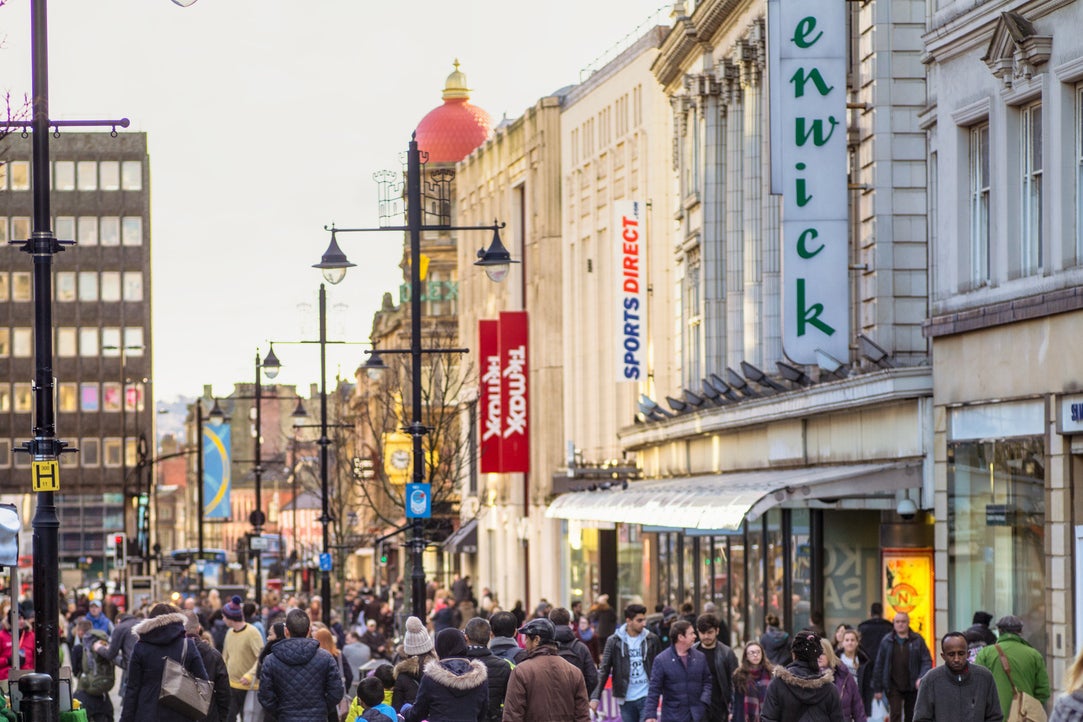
x=871, y=631
x=216, y=667
x=503, y=643
x=901, y=661
x=544, y=687
x=453, y=689
x=681, y=678
x=297, y=676
x=628, y=658
x=721, y=662
x=957, y=690
x=570, y=648
x=478, y=633
x=161, y=635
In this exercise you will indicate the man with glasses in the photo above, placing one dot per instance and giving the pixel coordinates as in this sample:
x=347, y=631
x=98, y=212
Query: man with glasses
x=628, y=657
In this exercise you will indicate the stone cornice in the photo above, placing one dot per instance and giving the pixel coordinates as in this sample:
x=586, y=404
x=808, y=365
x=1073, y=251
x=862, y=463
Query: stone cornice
x=689, y=33
x=955, y=34
x=855, y=392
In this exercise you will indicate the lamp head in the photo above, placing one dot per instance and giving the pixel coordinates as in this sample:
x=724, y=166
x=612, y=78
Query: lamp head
x=217, y=417
x=333, y=263
x=299, y=412
x=495, y=259
x=374, y=366
x=271, y=365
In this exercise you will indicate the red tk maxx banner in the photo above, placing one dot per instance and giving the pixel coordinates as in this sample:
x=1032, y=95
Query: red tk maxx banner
x=490, y=420
x=514, y=392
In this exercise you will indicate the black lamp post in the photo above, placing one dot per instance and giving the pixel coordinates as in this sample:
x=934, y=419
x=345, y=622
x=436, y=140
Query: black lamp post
x=495, y=260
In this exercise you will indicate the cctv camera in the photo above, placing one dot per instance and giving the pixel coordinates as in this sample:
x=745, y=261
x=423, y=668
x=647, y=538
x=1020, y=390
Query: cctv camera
x=907, y=509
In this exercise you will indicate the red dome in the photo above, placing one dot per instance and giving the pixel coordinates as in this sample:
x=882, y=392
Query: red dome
x=453, y=130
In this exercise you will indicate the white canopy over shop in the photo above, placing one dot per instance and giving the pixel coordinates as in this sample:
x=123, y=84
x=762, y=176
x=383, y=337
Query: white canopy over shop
x=725, y=501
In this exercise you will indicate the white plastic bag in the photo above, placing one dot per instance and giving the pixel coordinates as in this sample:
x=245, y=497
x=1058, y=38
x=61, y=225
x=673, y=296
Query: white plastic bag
x=879, y=711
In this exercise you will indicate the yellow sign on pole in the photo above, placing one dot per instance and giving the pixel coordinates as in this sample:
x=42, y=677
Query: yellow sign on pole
x=46, y=475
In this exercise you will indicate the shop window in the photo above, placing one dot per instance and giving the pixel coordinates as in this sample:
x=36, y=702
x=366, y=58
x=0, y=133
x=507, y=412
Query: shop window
x=131, y=175
x=996, y=532
x=754, y=578
x=67, y=397
x=739, y=623
x=64, y=175
x=631, y=580
x=775, y=566
x=110, y=175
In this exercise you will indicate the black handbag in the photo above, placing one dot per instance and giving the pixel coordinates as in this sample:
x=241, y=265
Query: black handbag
x=183, y=692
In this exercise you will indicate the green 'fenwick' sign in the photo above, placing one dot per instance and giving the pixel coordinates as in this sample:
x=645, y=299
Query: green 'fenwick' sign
x=432, y=291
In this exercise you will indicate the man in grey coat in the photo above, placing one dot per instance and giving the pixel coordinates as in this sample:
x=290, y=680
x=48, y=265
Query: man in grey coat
x=958, y=691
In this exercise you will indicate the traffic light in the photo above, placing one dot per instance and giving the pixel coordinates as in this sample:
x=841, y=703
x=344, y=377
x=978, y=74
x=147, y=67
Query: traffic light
x=383, y=556
x=120, y=549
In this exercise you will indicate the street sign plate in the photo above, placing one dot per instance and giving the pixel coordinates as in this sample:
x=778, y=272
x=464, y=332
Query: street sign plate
x=46, y=475
x=258, y=543
x=418, y=501
x=325, y=562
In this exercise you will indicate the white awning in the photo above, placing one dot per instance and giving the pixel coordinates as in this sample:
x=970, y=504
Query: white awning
x=724, y=501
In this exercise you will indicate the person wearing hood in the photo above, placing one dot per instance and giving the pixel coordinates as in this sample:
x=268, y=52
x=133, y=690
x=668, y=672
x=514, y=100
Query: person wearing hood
x=544, y=687
x=570, y=648
x=1027, y=664
x=216, y=667
x=453, y=688
x=775, y=642
x=503, y=643
x=1069, y=706
x=295, y=671
x=800, y=690
x=628, y=658
x=979, y=632
x=853, y=707
x=417, y=651
x=681, y=677
x=478, y=633
x=160, y=635
x=957, y=691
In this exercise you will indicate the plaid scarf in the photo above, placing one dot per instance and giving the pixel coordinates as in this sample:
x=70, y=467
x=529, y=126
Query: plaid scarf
x=755, y=694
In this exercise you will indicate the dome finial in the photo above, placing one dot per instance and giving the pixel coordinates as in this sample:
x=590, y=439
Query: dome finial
x=455, y=88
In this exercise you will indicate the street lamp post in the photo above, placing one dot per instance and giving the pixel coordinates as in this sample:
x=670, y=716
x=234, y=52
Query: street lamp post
x=495, y=260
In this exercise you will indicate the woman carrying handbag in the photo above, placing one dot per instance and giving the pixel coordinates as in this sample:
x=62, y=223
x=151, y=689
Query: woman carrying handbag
x=161, y=635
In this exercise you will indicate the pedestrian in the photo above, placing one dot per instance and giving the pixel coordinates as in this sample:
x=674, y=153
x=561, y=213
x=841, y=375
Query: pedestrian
x=604, y=618
x=356, y=653
x=853, y=709
x=122, y=642
x=800, y=690
x=369, y=705
x=775, y=641
x=870, y=632
x=570, y=648
x=417, y=649
x=628, y=658
x=1026, y=664
x=453, y=688
x=750, y=683
x=519, y=612
x=327, y=643
x=240, y=650
x=857, y=664
x=375, y=640
x=478, y=633
x=1069, y=706
x=95, y=673
x=901, y=661
x=979, y=635
x=584, y=632
x=681, y=678
x=957, y=691
x=26, y=644
x=721, y=662
x=544, y=687
x=160, y=635
x=97, y=617
x=299, y=681
x=503, y=643
x=214, y=664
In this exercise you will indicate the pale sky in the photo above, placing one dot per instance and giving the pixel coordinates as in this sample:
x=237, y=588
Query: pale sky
x=266, y=121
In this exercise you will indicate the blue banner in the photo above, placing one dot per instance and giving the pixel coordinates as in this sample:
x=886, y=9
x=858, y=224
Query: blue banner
x=216, y=467
x=418, y=501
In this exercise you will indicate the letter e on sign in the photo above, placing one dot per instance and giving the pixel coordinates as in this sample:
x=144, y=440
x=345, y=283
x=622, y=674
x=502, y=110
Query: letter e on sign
x=46, y=475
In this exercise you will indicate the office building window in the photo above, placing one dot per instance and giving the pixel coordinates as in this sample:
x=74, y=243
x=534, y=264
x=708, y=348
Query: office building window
x=19, y=175
x=86, y=172
x=133, y=286
x=131, y=175
x=1031, y=197
x=64, y=228
x=109, y=172
x=88, y=286
x=110, y=285
x=88, y=397
x=90, y=452
x=5, y=452
x=109, y=231
x=20, y=228
x=67, y=396
x=88, y=231
x=65, y=286
x=67, y=344
x=979, y=204
x=132, y=231
x=22, y=343
x=63, y=175
x=88, y=342
x=112, y=450
x=5, y=342
x=5, y=398
x=111, y=398
x=5, y=284
x=3, y=228
x=110, y=342
x=21, y=288
x=133, y=340
x=24, y=398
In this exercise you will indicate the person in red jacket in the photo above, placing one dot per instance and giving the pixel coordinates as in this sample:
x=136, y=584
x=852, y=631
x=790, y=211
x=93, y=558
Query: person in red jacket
x=26, y=645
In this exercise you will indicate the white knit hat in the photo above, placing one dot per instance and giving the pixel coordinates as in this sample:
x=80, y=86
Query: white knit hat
x=416, y=641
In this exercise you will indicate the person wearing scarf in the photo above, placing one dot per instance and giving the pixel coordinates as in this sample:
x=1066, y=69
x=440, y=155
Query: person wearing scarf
x=750, y=684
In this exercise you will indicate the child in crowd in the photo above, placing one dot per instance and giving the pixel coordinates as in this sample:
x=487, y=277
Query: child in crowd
x=386, y=674
x=369, y=705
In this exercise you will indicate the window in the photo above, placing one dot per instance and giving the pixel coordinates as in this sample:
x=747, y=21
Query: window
x=88, y=231
x=112, y=449
x=1031, y=197
x=109, y=231
x=88, y=286
x=63, y=175
x=133, y=340
x=3, y=226
x=67, y=344
x=111, y=342
x=65, y=286
x=5, y=398
x=111, y=400
x=110, y=175
x=88, y=396
x=21, y=288
x=22, y=343
x=67, y=397
x=4, y=290
x=110, y=285
x=132, y=231
x=131, y=175
x=88, y=342
x=20, y=228
x=86, y=172
x=133, y=286
x=979, y=204
x=64, y=227
x=5, y=452
x=90, y=452
x=5, y=343
x=19, y=173
x=24, y=398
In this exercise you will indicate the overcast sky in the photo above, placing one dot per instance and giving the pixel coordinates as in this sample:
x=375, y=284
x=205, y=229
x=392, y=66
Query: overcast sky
x=265, y=121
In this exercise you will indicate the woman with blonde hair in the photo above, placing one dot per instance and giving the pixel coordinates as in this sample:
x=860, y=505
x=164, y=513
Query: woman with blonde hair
x=327, y=643
x=750, y=681
x=853, y=709
x=1069, y=707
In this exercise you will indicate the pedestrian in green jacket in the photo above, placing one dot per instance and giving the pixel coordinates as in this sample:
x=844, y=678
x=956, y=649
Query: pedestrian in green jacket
x=1026, y=663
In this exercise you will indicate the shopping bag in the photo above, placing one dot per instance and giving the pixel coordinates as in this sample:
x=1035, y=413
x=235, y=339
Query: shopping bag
x=879, y=711
x=1025, y=708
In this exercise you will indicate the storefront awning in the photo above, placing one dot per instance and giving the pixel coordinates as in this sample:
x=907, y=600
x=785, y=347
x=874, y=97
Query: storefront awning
x=724, y=501
x=464, y=540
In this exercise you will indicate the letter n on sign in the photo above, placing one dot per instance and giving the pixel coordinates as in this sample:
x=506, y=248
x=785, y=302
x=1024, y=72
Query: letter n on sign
x=514, y=392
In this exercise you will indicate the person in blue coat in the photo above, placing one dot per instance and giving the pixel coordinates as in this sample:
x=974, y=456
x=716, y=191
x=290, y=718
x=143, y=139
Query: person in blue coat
x=680, y=676
x=161, y=635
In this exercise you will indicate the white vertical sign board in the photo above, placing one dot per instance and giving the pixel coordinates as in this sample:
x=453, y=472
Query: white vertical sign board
x=807, y=79
x=1078, y=631
x=630, y=288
